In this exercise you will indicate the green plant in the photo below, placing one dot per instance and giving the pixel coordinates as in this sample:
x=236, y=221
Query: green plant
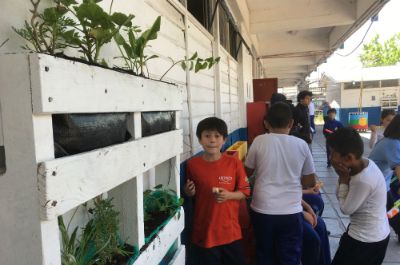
x=160, y=200
x=132, y=50
x=193, y=63
x=76, y=252
x=95, y=28
x=376, y=53
x=100, y=240
x=44, y=32
x=106, y=226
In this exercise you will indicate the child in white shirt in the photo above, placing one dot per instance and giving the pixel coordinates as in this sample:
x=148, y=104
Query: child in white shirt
x=281, y=163
x=362, y=195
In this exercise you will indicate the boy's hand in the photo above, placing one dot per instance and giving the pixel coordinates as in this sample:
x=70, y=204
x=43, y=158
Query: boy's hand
x=343, y=172
x=309, y=213
x=312, y=220
x=314, y=191
x=222, y=195
x=373, y=128
x=190, y=188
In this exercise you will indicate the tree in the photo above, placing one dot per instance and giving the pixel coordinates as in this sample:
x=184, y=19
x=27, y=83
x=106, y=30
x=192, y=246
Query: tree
x=377, y=54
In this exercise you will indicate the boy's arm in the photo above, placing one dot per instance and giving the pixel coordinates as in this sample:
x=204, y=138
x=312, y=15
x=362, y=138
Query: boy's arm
x=189, y=189
x=224, y=195
x=350, y=197
x=308, y=181
x=242, y=188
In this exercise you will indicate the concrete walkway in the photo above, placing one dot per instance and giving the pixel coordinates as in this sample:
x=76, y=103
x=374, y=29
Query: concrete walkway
x=337, y=222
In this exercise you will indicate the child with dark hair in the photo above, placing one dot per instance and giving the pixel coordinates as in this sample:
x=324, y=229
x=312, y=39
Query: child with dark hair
x=217, y=182
x=281, y=163
x=330, y=126
x=386, y=155
x=302, y=127
x=377, y=132
x=362, y=195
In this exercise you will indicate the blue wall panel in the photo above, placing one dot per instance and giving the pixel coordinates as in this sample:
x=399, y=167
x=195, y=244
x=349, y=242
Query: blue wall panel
x=374, y=114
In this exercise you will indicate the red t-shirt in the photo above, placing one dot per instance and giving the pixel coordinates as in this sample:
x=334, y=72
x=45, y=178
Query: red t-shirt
x=216, y=224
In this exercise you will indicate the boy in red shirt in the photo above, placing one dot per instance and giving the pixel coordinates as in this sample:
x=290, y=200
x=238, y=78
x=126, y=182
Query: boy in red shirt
x=217, y=182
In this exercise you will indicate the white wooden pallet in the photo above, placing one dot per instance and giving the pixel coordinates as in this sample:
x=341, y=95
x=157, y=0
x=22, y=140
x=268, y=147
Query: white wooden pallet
x=36, y=187
x=159, y=247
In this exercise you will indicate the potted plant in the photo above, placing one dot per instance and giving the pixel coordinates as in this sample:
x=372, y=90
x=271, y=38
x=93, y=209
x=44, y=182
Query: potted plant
x=160, y=205
x=99, y=243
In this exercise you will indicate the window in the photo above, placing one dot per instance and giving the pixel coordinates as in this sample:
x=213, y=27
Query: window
x=352, y=85
x=223, y=29
x=390, y=83
x=228, y=35
x=371, y=84
x=203, y=11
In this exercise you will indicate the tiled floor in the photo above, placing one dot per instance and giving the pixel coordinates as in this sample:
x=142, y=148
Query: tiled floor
x=336, y=221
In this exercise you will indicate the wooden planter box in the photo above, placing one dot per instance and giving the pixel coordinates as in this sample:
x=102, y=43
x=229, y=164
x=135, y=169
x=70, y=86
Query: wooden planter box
x=160, y=245
x=37, y=188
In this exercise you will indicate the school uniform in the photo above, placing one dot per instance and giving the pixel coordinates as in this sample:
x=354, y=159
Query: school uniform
x=216, y=232
x=330, y=127
x=367, y=236
x=386, y=155
x=279, y=161
x=316, y=248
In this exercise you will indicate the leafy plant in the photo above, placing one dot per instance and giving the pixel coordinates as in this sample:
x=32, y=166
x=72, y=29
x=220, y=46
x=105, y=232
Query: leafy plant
x=106, y=226
x=99, y=241
x=160, y=200
x=76, y=252
x=95, y=28
x=44, y=32
x=376, y=53
x=132, y=49
x=193, y=63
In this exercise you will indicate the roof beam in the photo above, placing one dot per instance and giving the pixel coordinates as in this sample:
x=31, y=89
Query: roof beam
x=305, y=45
x=305, y=14
x=286, y=70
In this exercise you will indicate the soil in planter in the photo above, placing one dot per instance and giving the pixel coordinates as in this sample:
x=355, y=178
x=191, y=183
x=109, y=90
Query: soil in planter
x=157, y=218
x=117, y=69
x=157, y=122
x=122, y=260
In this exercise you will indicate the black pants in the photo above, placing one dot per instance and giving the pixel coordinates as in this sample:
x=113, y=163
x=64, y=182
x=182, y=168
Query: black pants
x=328, y=154
x=354, y=252
x=229, y=254
x=394, y=221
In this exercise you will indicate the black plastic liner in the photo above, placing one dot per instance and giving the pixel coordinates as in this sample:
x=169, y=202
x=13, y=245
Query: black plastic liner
x=77, y=133
x=157, y=122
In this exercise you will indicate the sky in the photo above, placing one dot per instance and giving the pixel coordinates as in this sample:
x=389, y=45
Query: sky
x=387, y=25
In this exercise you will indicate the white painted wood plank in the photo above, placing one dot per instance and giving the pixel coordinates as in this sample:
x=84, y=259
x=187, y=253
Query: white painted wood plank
x=129, y=202
x=179, y=258
x=20, y=224
x=204, y=109
x=160, y=245
x=63, y=86
x=70, y=181
x=44, y=150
